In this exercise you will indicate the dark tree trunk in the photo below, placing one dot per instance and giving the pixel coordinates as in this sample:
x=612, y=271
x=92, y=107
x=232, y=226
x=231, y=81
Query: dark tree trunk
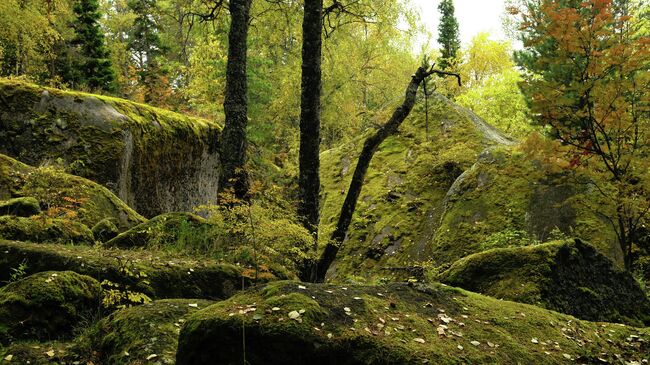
x=235, y=105
x=309, y=180
x=369, y=147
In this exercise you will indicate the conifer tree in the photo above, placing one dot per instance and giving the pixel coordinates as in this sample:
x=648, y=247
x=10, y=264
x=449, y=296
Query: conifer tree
x=448, y=37
x=93, y=66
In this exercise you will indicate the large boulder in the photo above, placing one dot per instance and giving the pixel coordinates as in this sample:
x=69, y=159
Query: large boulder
x=63, y=196
x=293, y=323
x=45, y=229
x=429, y=202
x=47, y=305
x=566, y=276
x=154, y=160
x=20, y=207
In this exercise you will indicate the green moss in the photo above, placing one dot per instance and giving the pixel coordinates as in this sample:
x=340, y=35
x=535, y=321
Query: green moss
x=44, y=229
x=133, y=335
x=402, y=201
x=565, y=276
x=105, y=229
x=114, y=142
x=180, y=230
x=168, y=275
x=38, y=353
x=22, y=207
x=46, y=305
x=64, y=195
x=381, y=325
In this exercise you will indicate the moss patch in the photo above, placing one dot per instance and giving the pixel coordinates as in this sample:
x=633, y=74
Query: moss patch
x=395, y=324
x=566, y=276
x=141, y=334
x=21, y=207
x=167, y=275
x=44, y=229
x=63, y=195
x=46, y=305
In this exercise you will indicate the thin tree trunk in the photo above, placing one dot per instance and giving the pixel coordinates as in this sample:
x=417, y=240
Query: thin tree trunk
x=235, y=105
x=309, y=160
x=369, y=148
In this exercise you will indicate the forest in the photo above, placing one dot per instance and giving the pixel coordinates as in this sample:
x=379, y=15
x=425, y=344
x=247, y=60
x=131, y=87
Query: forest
x=324, y=181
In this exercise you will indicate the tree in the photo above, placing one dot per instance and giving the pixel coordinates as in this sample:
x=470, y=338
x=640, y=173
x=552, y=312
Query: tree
x=92, y=66
x=233, y=139
x=310, y=92
x=589, y=83
x=369, y=148
x=147, y=49
x=448, y=37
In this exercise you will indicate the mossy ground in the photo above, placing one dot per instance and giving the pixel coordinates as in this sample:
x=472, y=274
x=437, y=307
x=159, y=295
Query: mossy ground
x=395, y=323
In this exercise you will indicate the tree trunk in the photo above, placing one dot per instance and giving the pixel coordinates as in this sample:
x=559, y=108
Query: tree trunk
x=369, y=147
x=309, y=179
x=233, y=138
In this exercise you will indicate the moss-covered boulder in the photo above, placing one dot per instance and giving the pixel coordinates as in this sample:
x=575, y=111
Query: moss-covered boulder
x=44, y=229
x=105, y=229
x=507, y=198
x=154, y=160
x=21, y=207
x=293, y=323
x=142, y=334
x=166, y=275
x=64, y=196
x=566, y=276
x=399, y=209
x=465, y=189
x=47, y=305
x=177, y=229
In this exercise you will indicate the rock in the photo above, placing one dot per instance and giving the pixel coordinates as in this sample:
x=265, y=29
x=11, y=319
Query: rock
x=105, y=229
x=167, y=229
x=373, y=332
x=47, y=305
x=154, y=160
x=566, y=276
x=21, y=207
x=44, y=229
x=131, y=335
x=63, y=195
x=166, y=276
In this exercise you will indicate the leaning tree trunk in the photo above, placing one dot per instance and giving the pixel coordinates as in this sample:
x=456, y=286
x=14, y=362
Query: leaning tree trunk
x=309, y=180
x=235, y=105
x=369, y=148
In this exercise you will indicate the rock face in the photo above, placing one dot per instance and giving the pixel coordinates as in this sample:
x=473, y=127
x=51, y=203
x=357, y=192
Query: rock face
x=292, y=323
x=566, y=276
x=432, y=202
x=154, y=160
x=46, y=305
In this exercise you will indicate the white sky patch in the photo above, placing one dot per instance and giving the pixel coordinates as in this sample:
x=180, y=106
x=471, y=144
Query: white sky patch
x=474, y=16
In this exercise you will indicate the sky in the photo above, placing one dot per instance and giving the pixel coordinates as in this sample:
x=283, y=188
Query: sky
x=474, y=16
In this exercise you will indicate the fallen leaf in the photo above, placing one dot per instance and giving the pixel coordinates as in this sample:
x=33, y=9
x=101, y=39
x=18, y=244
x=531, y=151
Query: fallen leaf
x=534, y=340
x=294, y=315
x=50, y=353
x=420, y=340
x=9, y=357
x=460, y=347
x=475, y=343
x=152, y=356
x=194, y=305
